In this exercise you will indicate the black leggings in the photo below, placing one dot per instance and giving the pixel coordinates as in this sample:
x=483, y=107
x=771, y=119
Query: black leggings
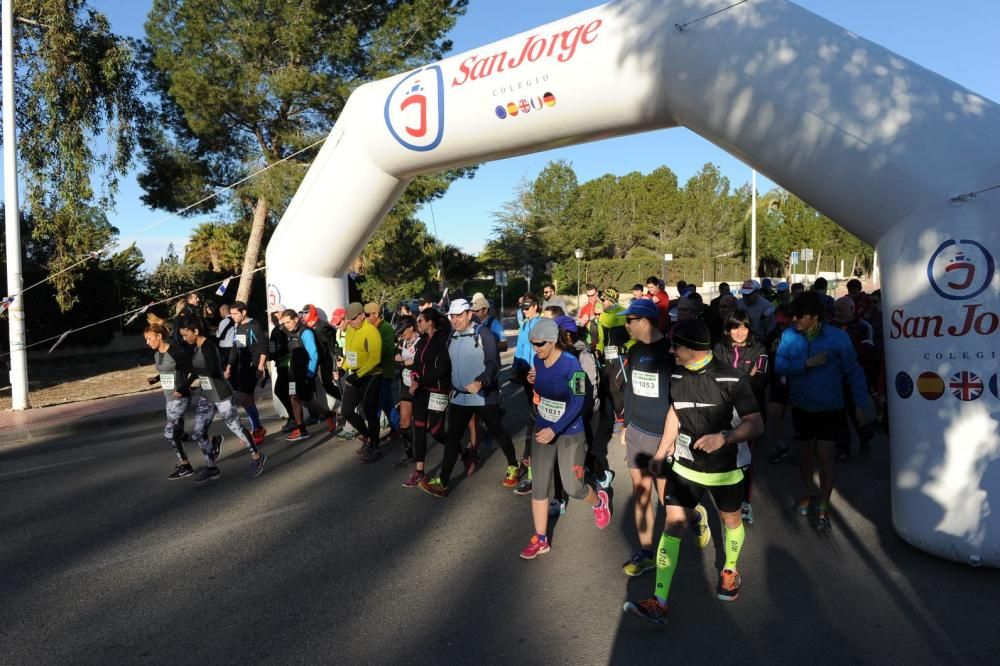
x=363, y=394
x=613, y=380
x=281, y=389
x=425, y=421
x=458, y=420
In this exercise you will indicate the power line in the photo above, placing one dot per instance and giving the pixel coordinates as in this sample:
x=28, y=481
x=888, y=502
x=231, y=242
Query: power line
x=681, y=27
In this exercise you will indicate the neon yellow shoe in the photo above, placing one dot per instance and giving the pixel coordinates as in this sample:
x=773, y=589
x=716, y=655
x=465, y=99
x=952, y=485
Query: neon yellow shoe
x=702, y=532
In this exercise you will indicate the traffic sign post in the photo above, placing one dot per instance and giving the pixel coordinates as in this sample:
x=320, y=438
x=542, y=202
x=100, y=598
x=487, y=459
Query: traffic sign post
x=528, y=272
x=794, y=262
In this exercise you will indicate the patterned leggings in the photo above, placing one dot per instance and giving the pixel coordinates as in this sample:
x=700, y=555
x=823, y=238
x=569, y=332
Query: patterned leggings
x=174, y=430
x=204, y=412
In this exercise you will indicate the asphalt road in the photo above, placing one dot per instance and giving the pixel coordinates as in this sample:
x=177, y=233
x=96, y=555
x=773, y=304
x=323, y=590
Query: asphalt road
x=325, y=560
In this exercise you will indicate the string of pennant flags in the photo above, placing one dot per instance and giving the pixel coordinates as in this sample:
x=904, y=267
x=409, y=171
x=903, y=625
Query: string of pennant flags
x=97, y=254
x=223, y=285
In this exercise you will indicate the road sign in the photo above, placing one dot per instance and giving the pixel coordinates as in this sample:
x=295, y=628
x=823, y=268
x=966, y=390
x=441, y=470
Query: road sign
x=807, y=254
x=527, y=271
x=668, y=257
x=501, y=278
x=795, y=258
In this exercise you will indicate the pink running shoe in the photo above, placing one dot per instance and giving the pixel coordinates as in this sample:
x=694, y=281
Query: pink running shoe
x=602, y=512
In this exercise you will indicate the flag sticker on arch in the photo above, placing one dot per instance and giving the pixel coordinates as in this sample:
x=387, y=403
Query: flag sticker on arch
x=966, y=385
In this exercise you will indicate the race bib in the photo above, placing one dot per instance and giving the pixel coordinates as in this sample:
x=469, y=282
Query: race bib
x=291, y=388
x=551, y=410
x=611, y=352
x=646, y=384
x=167, y=382
x=205, y=383
x=241, y=340
x=352, y=360
x=682, y=447
x=407, y=378
x=438, y=402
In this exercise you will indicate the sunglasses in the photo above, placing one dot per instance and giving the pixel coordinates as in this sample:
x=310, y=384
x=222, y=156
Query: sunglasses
x=629, y=320
x=538, y=344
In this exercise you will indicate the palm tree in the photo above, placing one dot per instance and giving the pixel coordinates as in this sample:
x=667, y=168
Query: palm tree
x=208, y=246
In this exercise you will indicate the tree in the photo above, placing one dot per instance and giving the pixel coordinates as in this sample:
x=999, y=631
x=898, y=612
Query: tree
x=243, y=85
x=79, y=115
x=515, y=239
x=171, y=277
x=215, y=246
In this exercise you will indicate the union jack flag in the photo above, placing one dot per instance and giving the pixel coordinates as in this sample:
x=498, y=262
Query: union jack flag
x=966, y=385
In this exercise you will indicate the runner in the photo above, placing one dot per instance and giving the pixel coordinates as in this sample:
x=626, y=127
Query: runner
x=662, y=301
x=277, y=353
x=589, y=311
x=761, y=311
x=430, y=381
x=612, y=336
x=174, y=368
x=862, y=336
x=739, y=349
x=524, y=357
x=303, y=366
x=362, y=380
x=245, y=365
x=647, y=399
x=702, y=437
x=817, y=358
x=388, y=367
x=475, y=382
x=561, y=386
x=406, y=351
x=216, y=396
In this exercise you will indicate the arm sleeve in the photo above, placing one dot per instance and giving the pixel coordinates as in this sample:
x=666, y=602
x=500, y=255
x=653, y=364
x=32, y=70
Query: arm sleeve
x=309, y=344
x=743, y=398
x=791, y=359
x=491, y=370
x=212, y=359
x=181, y=360
x=574, y=406
x=372, y=342
x=440, y=368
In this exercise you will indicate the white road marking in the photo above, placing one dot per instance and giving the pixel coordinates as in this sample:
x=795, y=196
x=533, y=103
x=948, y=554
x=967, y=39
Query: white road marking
x=35, y=469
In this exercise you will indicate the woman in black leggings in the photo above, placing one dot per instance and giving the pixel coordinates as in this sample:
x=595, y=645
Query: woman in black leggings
x=430, y=385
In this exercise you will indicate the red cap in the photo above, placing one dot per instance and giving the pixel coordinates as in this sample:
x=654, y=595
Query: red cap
x=338, y=316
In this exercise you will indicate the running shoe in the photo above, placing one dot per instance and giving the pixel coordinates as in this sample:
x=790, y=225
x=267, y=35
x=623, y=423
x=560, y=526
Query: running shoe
x=433, y=487
x=257, y=466
x=700, y=527
x=364, y=444
x=780, y=453
x=414, y=479
x=405, y=460
x=535, y=548
x=523, y=486
x=640, y=563
x=180, y=472
x=207, y=474
x=823, y=518
x=289, y=426
x=607, y=479
x=331, y=423
x=346, y=433
x=371, y=454
x=216, y=446
x=729, y=585
x=470, y=459
x=746, y=513
x=297, y=435
x=258, y=436
x=557, y=507
x=806, y=505
x=510, y=478
x=648, y=609
x=602, y=511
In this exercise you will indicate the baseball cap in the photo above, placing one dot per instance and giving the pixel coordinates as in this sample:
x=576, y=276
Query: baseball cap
x=353, y=310
x=693, y=334
x=749, y=287
x=643, y=308
x=277, y=307
x=546, y=330
x=337, y=316
x=371, y=308
x=479, y=302
x=458, y=306
x=782, y=286
x=565, y=323
x=528, y=302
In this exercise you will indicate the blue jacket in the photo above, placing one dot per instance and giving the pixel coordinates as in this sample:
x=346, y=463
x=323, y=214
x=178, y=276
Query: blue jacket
x=524, y=353
x=821, y=388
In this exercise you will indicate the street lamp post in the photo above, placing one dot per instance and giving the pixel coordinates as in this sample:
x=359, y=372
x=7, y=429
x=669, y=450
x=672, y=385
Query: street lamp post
x=578, y=253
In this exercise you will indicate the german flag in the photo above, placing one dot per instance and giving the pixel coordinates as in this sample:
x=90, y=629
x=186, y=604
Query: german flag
x=549, y=99
x=930, y=386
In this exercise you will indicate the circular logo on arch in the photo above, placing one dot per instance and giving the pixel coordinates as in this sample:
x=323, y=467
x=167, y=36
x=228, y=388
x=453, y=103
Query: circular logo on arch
x=273, y=295
x=960, y=269
x=414, y=110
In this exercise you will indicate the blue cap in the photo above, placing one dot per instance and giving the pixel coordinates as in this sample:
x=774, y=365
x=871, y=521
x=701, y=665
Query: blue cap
x=565, y=323
x=643, y=307
x=766, y=283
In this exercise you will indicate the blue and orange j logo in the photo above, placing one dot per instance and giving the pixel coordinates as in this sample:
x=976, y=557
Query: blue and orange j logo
x=960, y=269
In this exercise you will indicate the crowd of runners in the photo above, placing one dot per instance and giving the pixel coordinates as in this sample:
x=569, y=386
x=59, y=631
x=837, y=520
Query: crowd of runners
x=678, y=389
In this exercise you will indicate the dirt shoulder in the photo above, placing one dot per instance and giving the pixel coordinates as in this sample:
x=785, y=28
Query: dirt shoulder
x=62, y=380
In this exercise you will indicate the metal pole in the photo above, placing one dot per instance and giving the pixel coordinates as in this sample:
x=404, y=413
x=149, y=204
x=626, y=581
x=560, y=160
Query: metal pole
x=578, y=284
x=753, y=225
x=18, y=354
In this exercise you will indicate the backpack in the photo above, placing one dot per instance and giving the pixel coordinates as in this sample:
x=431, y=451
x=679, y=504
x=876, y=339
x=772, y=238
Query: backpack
x=326, y=366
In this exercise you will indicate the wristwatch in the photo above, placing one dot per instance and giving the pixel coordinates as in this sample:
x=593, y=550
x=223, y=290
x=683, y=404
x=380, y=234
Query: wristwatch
x=725, y=436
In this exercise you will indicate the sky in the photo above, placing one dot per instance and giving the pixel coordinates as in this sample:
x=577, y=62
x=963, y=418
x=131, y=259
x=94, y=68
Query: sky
x=955, y=39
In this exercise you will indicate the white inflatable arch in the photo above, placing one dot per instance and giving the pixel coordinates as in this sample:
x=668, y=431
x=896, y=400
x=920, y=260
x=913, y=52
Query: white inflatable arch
x=889, y=150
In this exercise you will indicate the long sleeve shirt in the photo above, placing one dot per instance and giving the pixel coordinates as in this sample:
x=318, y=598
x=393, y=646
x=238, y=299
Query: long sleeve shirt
x=561, y=389
x=363, y=350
